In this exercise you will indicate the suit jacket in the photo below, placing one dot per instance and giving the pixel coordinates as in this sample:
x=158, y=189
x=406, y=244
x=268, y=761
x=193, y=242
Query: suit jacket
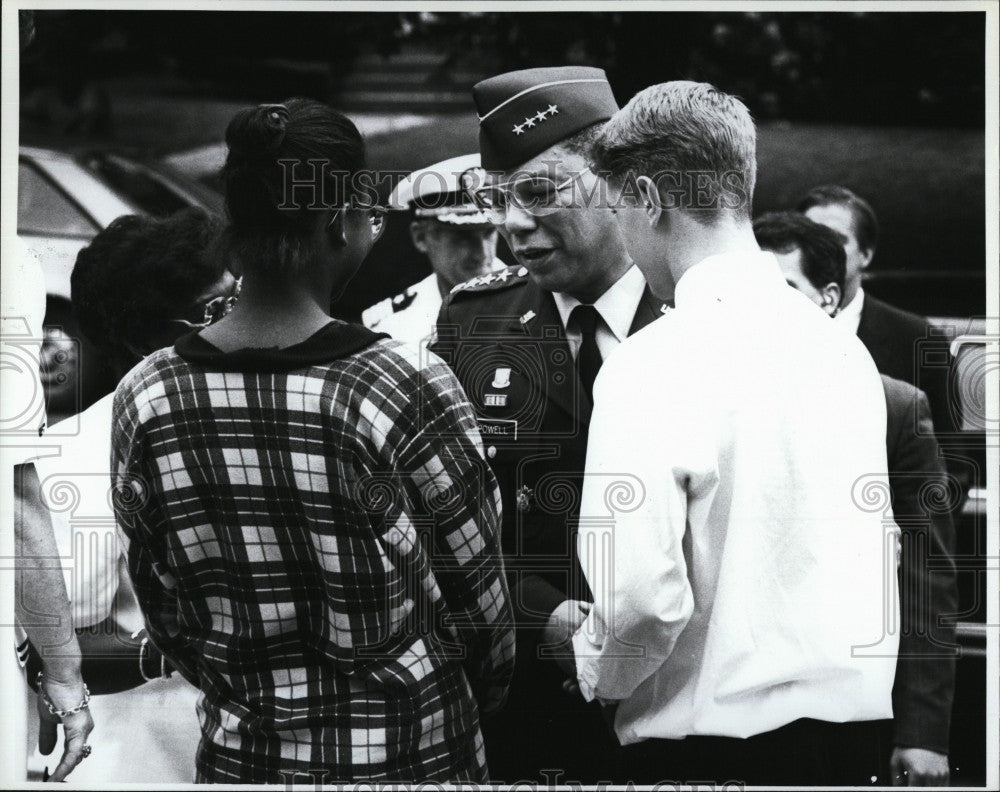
x=900, y=344
x=925, y=674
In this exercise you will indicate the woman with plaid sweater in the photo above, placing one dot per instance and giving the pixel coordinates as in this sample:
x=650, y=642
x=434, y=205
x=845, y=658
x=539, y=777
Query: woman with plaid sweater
x=312, y=528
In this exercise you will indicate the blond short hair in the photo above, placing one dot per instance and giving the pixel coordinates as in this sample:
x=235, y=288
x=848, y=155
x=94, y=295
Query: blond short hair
x=696, y=142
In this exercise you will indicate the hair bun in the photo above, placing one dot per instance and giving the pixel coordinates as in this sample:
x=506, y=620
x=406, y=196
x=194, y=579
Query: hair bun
x=257, y=132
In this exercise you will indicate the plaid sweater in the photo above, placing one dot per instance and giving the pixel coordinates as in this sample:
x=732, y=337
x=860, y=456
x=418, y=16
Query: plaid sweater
x=314, y=543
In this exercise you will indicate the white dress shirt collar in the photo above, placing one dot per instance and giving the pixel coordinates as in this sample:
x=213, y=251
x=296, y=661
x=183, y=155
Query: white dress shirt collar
x=617, y=306
x=850, y=315
x=728, y=274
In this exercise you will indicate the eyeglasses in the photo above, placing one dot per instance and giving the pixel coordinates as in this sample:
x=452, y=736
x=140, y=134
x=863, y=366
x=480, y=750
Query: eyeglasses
x=216, y=308
x=376, y=219
x=535, y=195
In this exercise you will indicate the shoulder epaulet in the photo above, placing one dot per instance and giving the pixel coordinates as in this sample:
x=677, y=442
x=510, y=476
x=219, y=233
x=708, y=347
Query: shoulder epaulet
x=371, y=317
x=374, y=314
x=494, y=281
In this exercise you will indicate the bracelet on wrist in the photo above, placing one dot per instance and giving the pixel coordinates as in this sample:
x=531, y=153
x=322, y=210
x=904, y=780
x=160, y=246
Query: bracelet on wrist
x=142, y=657
x=58, y=713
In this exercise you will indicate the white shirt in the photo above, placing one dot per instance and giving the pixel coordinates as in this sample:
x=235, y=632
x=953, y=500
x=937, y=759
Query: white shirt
x=416, y=321
x=849, y=316
x=22, y=312
x=617, y=307
x=727, y=529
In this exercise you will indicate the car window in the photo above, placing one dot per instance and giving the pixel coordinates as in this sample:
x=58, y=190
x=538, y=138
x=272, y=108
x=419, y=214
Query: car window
x=138, y=185
x=42, y=210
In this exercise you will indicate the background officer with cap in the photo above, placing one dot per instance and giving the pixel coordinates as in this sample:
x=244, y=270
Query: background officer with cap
x=457, y=237
x=526, y=344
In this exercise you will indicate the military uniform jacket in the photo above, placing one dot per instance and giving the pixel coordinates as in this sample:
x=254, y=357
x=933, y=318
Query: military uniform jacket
x=503, y=337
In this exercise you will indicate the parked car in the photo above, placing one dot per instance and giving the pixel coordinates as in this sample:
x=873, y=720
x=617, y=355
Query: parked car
x=63, y=200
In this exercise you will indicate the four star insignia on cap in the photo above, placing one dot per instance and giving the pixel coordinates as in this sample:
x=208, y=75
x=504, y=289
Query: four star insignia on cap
x=537, y=118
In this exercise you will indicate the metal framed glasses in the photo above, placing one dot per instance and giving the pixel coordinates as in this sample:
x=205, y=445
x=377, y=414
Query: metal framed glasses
x=535, y=195
x=376, y=218
x=216, y=308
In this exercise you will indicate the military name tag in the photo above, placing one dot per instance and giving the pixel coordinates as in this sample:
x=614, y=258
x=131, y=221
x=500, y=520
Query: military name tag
x=495, y=399
x=497, y=428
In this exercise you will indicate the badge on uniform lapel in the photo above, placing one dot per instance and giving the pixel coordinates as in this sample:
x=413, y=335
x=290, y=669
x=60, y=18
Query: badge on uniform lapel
x=495, y=399
x=501, y=378
x=527, y=317
x=525, y=498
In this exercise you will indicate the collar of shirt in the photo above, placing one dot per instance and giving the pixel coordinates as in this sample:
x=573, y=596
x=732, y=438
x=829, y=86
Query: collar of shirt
x=850, y=315
x=617, y=307
x=727, y=274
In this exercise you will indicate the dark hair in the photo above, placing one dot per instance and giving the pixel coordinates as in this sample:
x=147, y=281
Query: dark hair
x=287, y=162
x=582, y=142
x=139, y=273
x=823, y=257
x=865, y=224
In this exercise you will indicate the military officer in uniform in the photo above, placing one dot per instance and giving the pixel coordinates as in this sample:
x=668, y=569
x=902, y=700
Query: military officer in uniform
x=457, y=238
x=526, y=344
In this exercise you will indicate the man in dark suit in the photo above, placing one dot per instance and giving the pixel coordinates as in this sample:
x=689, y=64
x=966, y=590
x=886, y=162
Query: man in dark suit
x=902, y=344
x=812, y=259
x=526, y=344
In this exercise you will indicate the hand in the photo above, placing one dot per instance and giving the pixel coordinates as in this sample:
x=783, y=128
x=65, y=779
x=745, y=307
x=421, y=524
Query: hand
x=918, y=767
x=564, y=621
x=76, y=727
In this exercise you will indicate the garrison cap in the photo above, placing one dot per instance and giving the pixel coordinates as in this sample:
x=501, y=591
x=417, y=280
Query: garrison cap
x=436, y=192
x=522, y=113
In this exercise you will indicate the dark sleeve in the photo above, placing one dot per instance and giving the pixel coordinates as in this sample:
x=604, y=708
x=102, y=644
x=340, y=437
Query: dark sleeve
x=925, y=674
x=534, y=595
x=934, y=365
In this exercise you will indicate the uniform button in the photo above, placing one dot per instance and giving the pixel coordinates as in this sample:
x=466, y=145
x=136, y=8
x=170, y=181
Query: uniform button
x=491, y=452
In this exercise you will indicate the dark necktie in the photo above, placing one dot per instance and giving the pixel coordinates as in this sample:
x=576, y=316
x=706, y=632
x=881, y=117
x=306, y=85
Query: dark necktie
x=588, y=358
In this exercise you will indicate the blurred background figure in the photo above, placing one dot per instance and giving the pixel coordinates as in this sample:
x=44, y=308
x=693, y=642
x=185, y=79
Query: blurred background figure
x=812, y=258
x=892, y=336
x=457, y=238
x=136, y=287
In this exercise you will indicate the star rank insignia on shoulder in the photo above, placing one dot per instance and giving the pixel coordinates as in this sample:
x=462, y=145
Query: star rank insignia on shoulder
x=494, y=281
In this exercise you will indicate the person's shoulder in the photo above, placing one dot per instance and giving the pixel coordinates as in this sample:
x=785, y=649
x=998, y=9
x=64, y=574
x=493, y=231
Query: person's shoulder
x=152, y=369
x=394, y=362
x=490, y=285
x=887, y=313
x=635, y=354
x=376, y=316
x=904, y=399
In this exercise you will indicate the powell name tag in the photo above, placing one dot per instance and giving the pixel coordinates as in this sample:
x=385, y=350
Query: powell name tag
x=497, y=429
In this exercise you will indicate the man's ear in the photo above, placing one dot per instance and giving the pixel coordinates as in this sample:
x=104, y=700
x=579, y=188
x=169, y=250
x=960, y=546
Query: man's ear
x=651, y=201
x=866, y=257
x=336, y=230
x=831, y=298
x=418, y=234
